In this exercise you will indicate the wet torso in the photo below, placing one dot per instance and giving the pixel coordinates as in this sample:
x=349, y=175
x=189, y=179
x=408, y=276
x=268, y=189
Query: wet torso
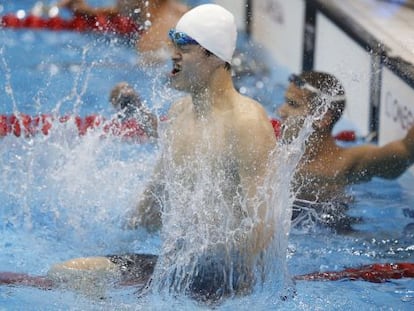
x=222, y=146
x=191, y=137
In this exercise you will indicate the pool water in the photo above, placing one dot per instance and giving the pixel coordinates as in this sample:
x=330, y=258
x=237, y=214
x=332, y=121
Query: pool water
x=66, y=196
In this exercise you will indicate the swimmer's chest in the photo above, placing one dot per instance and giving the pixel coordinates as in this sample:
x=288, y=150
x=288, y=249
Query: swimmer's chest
x=191, y=137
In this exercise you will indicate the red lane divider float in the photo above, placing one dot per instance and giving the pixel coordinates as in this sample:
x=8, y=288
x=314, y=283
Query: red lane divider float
x=346, y=136
x=25, y=125
x=376, y=273
x=100, y=23
x=277, y=127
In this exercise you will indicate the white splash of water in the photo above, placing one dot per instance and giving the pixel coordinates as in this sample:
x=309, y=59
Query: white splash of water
x=76, y=94
x=84, y=185
x=201, y=226
x=8, y=87
x=73, y=186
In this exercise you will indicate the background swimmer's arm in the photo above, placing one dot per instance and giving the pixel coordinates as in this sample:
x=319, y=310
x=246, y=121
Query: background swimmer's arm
x=11, y=278
x=153, y=126
x=89, y=272
x=81, y=7
x=388, y=161
x=149, y=122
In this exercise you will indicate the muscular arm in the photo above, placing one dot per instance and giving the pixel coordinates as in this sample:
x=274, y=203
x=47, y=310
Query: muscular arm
x=149, y=209
x=388, y=161
x=258, y=143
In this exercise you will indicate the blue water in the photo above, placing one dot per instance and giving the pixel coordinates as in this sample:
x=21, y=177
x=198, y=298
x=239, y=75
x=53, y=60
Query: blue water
x=64, y=196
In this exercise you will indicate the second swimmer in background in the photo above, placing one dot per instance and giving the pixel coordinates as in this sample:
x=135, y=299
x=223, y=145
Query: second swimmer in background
x=155, y=17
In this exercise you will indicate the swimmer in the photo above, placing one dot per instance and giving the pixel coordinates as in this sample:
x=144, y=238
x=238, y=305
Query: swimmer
x=127, y=102
x=326, y=168
x=231, y=130
x=155, y=16
x=233, y=135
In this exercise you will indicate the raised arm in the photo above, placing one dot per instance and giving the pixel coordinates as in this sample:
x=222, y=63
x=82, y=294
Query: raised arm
x=388, y=161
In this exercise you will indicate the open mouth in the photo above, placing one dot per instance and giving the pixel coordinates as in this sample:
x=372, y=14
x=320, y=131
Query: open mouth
x=176, y=69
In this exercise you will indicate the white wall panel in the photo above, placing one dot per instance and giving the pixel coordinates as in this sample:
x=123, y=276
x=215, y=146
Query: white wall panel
x=278, y=25
x=337, y=53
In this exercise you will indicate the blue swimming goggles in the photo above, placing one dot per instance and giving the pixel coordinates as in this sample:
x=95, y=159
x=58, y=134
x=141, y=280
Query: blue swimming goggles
x=302, y=84
x=180, y=38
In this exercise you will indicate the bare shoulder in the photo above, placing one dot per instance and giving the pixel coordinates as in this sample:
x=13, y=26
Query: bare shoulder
x=253, y=117
x=254, y=124
x=249, y=110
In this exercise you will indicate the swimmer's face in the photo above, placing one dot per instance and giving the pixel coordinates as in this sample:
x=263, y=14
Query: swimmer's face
x=192, y=68
x=294, y=111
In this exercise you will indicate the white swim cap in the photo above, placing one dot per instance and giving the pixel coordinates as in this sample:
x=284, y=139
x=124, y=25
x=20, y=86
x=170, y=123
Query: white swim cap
x=213, y=27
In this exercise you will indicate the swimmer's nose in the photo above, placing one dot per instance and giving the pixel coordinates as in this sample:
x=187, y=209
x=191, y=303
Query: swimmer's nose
x=282, y=112
x=176, y=56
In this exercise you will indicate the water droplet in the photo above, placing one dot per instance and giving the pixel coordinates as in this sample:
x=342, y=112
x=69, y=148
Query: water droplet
x=259, y=84
x=54, y=11
x=8, y=89
x=21, y=14
x=237, y=61
x=147, y=24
